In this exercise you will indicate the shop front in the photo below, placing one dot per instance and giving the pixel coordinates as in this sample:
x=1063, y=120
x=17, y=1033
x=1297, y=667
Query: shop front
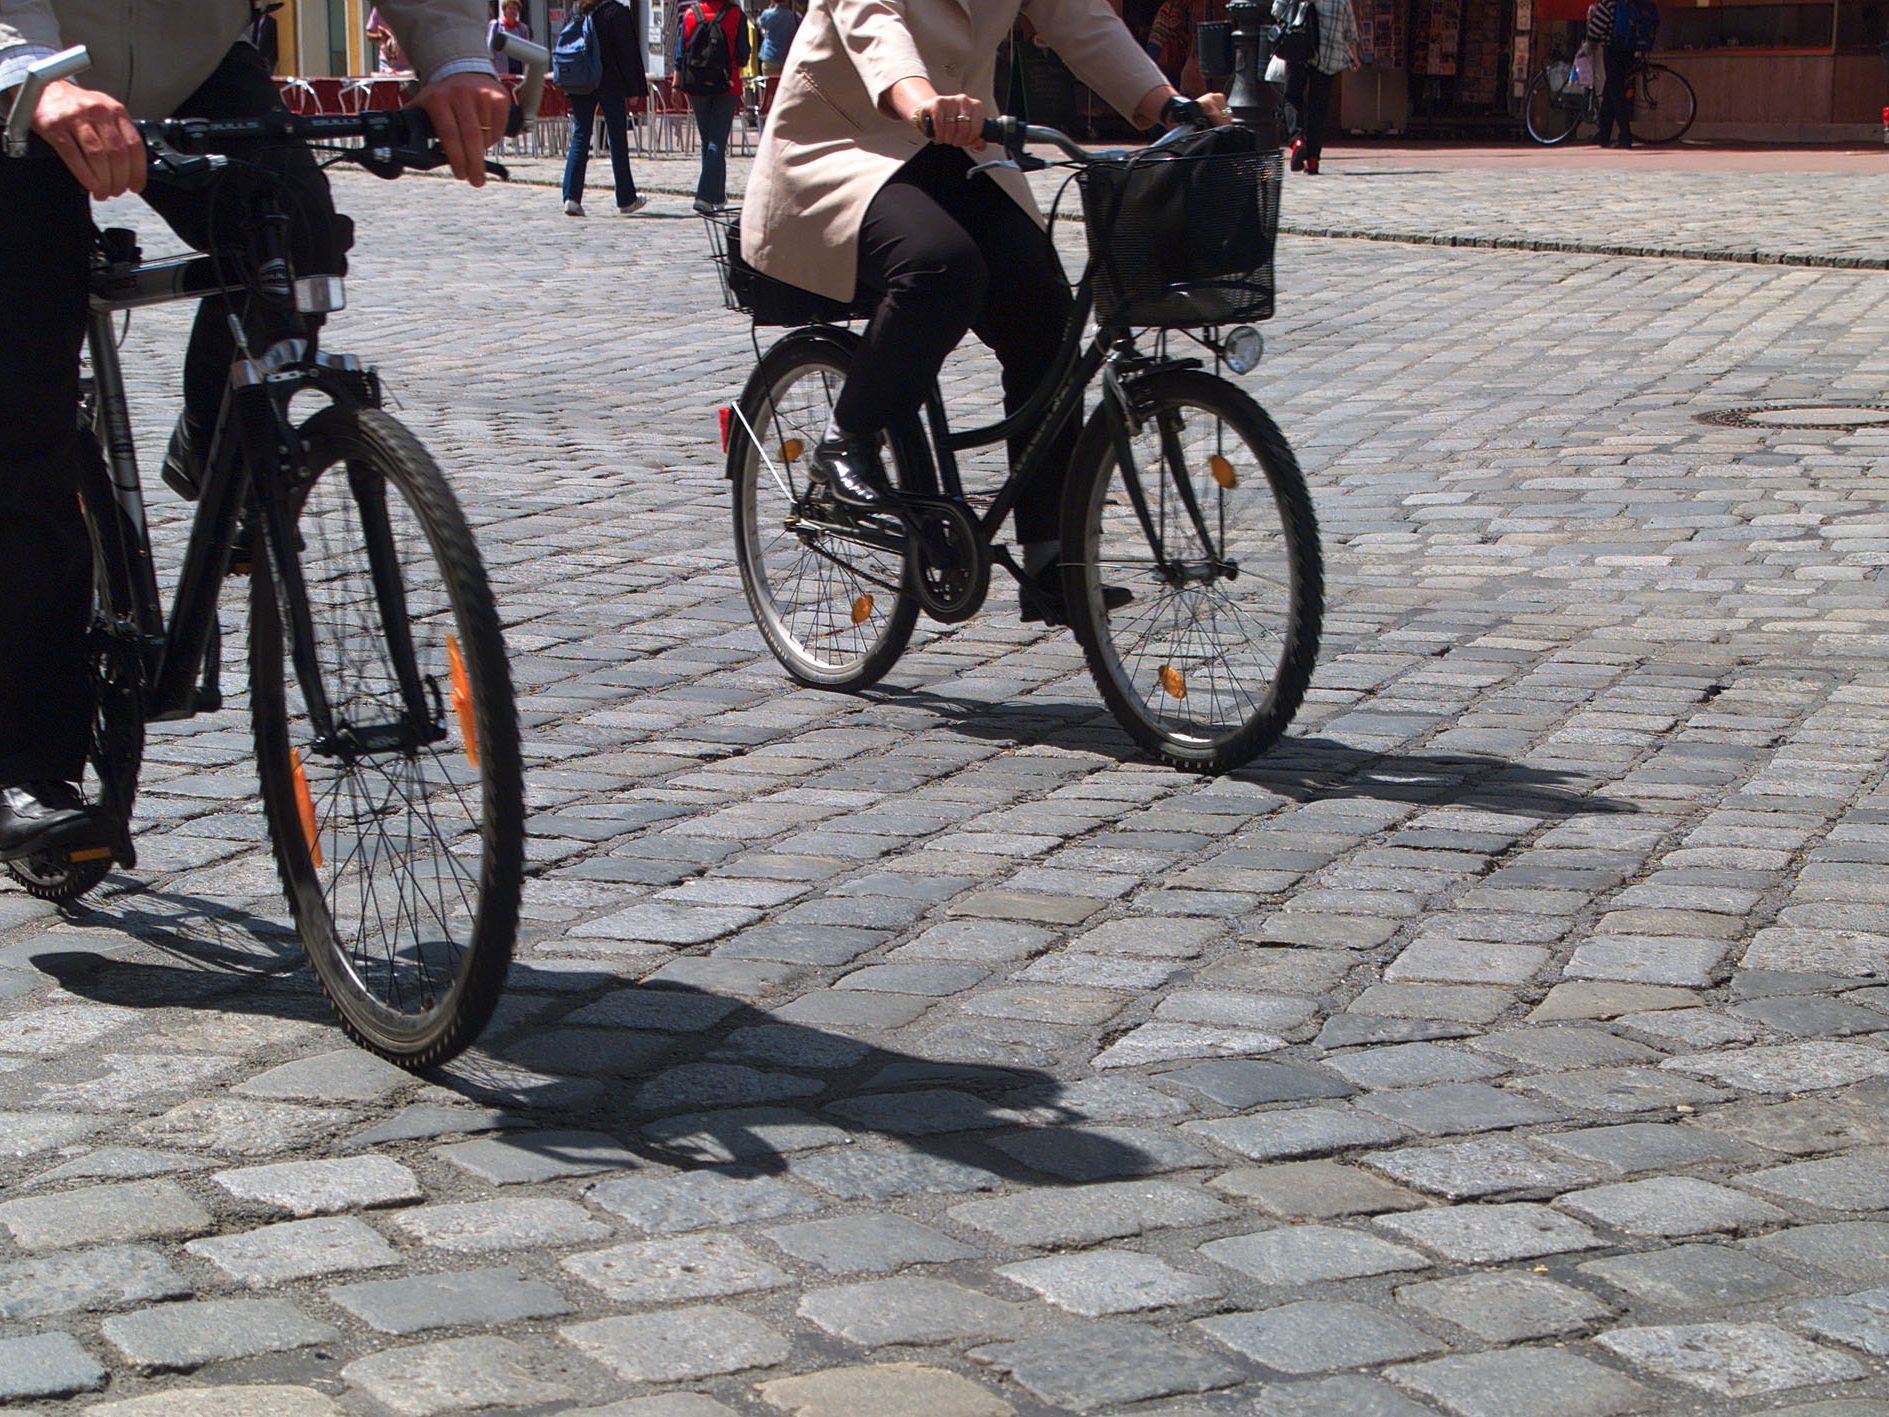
x=1776, y=72
x=1779, y=72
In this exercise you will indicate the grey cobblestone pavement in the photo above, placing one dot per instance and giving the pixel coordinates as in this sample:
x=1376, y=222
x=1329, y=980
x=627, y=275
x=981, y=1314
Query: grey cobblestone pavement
x=1508, y=1043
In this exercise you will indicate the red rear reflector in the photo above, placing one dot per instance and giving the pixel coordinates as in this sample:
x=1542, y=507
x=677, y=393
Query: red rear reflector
x=725, y=415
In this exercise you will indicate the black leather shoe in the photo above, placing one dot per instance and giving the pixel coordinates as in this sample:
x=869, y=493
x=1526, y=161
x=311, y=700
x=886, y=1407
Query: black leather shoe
x=183, y=463
x=851, y=468
x=1041, y=597
x=41, y=816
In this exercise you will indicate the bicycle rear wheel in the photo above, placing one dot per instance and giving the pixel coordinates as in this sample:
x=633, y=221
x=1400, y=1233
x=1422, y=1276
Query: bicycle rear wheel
x=833, y=606
x=1663, y=105
x=116, y=750
x=1208, y=524
x=1554, y=115
x=400, y=834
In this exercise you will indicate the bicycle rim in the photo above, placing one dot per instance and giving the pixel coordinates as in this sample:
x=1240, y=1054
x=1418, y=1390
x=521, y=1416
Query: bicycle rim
x=1209, y=662
x=401, y=861
x=1551, y=115
x=1663, y=107
x=832, y=608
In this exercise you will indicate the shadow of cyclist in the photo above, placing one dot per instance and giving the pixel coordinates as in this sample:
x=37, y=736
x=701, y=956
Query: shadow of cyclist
x=679, y=1076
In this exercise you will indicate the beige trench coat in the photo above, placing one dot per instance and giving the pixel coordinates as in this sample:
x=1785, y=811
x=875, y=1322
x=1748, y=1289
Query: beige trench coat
x=150, y=55
x=828, y=147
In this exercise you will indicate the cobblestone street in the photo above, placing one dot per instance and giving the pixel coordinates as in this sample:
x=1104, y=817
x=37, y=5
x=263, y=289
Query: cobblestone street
x=1513, y=1041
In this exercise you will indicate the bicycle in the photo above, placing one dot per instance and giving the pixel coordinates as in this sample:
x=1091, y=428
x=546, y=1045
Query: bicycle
x=386, y=733
x=1660, y=101
x=1182, y=489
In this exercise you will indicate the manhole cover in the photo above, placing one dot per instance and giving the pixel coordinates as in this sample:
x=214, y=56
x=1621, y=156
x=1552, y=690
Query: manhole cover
x=1829, y=417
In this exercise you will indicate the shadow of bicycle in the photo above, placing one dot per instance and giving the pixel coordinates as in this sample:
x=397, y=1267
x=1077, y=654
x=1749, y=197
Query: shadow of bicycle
x=681, y=1077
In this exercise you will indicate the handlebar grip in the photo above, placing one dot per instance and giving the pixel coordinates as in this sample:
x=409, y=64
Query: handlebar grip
x=996, y=130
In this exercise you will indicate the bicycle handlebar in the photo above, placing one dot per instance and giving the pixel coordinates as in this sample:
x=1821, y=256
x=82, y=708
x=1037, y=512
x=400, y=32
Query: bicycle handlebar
x=1011, y=134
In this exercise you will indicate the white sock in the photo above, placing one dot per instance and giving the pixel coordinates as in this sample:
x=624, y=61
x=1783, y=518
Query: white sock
x=1039, y=556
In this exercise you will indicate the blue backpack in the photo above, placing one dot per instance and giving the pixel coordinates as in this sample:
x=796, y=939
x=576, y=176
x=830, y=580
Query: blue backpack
x=577, y=58
x=1636, y=22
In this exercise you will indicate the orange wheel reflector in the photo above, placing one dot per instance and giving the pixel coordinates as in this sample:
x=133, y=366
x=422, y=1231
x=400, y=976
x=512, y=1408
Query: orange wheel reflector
x=1172, y=681
x=462, y=700
x=792, y=449
x=1223, y=472
x=305, y=808
x=862, y=607
x=88, y=853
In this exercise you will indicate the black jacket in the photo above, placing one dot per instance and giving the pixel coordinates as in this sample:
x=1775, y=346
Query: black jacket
x=620, y=36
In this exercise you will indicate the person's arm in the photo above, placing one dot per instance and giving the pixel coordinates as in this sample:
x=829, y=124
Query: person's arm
x=445, y=42
x=879, y=42
x=89, y=130
x=1091, y=39
x=744, y=47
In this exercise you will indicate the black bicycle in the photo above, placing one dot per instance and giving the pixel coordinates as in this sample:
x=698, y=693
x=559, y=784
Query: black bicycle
x=385, y=727
x=1660, y=104
x=1182, y=491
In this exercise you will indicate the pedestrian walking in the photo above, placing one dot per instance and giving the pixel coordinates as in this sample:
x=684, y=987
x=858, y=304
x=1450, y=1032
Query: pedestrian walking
x=511, y=21
x=711, y=49
x=778, y=23
x=1625, y=29
x=1308, y=81
x=620, y=52
x=388, y=56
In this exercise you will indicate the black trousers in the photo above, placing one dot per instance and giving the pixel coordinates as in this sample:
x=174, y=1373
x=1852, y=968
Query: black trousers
x=1308, y=88
x=1613, y=95
x=950, y=255
x=45, y=255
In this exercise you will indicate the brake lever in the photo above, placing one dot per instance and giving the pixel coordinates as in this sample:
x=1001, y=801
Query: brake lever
x=190, y=171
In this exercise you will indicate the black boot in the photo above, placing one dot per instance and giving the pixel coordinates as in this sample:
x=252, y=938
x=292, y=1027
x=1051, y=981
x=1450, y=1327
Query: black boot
x=41, y=816
x=183, y=462
x=851, y=468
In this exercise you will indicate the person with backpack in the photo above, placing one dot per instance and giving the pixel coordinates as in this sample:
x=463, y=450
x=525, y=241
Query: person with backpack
x=1628, y=28
x=1318, y=39
x=712, y=48
x=598, y=62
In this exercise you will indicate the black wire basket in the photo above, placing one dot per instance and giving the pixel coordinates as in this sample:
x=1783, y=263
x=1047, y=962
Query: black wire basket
x=1182, y=235
x=768, y=301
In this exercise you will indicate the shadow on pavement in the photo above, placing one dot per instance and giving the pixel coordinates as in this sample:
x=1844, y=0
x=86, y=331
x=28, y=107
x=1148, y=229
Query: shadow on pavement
x=682, y=1077
x=1305, y=769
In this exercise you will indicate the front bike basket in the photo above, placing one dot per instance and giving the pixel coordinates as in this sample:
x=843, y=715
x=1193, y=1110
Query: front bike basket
x=769, y=301
x=1182, y=235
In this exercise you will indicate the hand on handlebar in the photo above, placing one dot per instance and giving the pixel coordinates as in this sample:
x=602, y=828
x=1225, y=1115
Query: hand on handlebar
x=93, y=134
x=468, y=113
x=954, y=120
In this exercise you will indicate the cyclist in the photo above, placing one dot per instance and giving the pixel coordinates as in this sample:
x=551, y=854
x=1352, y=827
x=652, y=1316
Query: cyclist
x=847, y=193
x=150, y=58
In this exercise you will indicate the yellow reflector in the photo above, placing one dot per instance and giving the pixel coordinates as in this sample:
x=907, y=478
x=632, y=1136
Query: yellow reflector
x=1172, y=681
x=862, y=607
x=792, y=449
x=305, y=808
x=462, y=700
x=88, y=853
x=1222, y=471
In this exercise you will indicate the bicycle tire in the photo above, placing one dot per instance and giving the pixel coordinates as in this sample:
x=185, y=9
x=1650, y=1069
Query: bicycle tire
x=849, y=627
x=411, y=998
x=1165, y=637
x=1548, y=118
x=1665, y=106
x=115, y=751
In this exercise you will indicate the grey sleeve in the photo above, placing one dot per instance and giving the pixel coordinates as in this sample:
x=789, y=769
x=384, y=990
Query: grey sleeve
x=29, y=32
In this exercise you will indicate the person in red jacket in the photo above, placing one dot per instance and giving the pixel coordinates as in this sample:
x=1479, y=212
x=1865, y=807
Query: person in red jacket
x=711, y=51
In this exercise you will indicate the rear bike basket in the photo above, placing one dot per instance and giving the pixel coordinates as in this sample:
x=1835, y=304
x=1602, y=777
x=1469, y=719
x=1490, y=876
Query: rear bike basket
x=1182, y=235
x=769, y=301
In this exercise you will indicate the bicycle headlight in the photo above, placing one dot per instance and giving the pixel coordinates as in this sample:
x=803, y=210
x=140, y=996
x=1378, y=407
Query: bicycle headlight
x=1241, y=348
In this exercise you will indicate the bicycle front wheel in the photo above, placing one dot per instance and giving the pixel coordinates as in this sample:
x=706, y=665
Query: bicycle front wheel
x=399, y=823
x=1207, y=523
x=828, y=591
x=1553, y=115
x=1663, y=105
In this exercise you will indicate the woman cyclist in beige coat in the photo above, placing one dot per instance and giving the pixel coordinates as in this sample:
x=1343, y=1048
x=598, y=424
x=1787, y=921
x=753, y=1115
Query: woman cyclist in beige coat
x=848, y=194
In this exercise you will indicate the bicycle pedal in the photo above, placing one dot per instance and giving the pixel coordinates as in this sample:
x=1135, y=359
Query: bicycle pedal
x=79, y=855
